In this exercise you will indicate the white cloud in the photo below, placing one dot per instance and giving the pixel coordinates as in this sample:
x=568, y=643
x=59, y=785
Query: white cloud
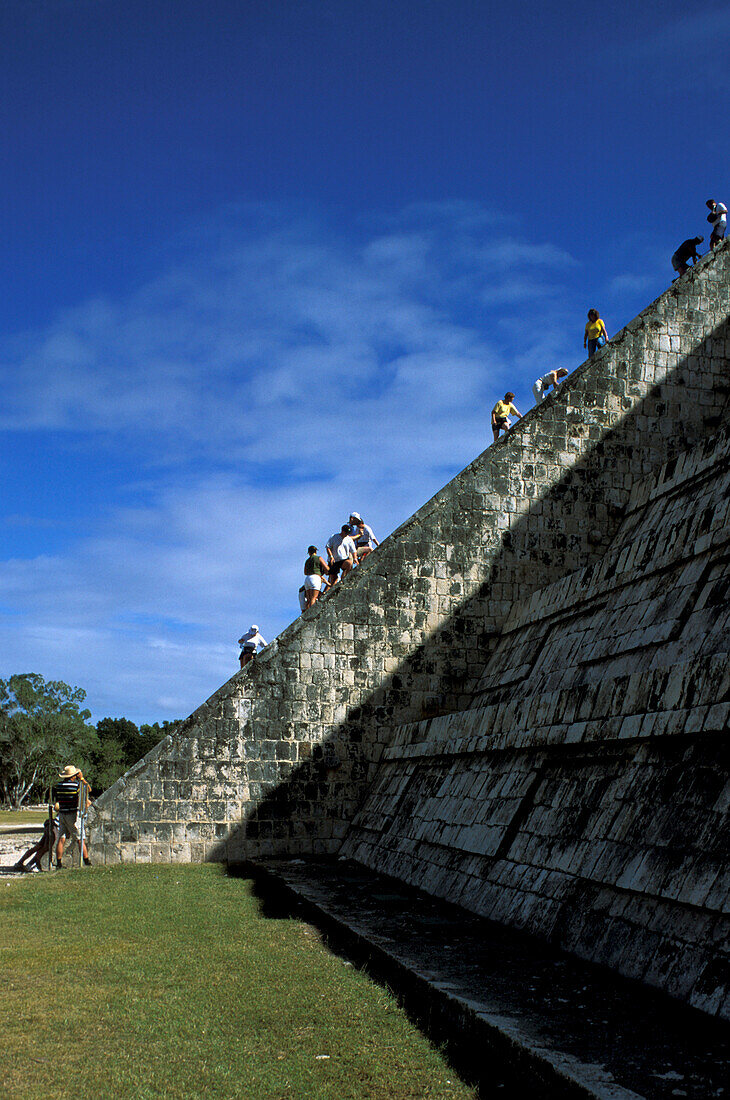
x=632, y=284
x=265, y=384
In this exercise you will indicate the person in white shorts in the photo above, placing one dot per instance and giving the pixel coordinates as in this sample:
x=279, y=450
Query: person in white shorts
x=542, y=385
x=315, y=570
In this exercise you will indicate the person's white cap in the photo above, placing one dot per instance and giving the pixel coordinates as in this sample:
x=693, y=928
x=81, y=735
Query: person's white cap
x=254, y=627
x=355, y=515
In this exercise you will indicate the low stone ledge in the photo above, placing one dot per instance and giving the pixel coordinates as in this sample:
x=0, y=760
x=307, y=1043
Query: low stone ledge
x=511, y=1010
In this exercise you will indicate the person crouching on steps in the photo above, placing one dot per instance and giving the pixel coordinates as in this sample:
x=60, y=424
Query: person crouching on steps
x=501, y=415
x=542, y=385
x=687, y=251
x=341, y=553
x=71, y=782
x=250, y=642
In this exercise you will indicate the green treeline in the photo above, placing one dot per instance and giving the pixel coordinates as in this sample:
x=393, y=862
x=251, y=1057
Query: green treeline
x=43, y=727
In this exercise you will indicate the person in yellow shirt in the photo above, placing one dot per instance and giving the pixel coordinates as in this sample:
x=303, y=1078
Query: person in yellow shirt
x=595, y=335
x=501, y=415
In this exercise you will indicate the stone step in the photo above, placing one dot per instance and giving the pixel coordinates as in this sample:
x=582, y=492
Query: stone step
x=517, y=1017
x=689, y=698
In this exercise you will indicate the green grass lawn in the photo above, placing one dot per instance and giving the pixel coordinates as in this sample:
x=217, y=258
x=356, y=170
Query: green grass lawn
x=22, y=817
x=159, y=981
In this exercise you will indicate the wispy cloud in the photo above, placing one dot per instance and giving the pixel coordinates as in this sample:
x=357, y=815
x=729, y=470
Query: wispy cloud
x=274, y=377
x=692, y=48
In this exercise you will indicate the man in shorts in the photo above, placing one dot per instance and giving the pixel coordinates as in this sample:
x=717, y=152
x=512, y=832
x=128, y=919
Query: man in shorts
x=718, y=220
x=687, y=251
x=501, y=415
x=341, y=553
x=250, y=642
x=72, y=795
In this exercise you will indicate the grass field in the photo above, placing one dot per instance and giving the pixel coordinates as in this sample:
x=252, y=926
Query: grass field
x=22, y=817
x=168, y=982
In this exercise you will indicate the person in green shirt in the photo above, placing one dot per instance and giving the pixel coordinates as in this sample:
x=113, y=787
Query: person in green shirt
x=315, y=571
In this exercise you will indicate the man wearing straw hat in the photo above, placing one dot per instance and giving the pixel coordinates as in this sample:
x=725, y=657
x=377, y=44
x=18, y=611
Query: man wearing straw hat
x=71, y=788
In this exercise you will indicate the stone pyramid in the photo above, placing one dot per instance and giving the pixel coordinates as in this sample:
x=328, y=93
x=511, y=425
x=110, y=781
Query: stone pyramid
x=520, y=701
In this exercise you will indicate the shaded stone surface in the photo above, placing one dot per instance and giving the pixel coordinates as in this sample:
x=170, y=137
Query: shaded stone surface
x=515, y=1014
x=584, y=794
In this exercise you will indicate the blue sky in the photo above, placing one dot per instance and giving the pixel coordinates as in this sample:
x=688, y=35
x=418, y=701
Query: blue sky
x=267, y=262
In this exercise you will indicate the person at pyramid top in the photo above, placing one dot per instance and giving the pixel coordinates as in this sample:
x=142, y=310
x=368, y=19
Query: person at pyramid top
x=718, y=220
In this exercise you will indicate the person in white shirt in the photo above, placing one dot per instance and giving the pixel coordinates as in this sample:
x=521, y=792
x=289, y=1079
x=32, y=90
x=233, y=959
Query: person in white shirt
x=718, y=220
x=341, y=553
x=542, y=385
x=250, y=642
x=362, y=533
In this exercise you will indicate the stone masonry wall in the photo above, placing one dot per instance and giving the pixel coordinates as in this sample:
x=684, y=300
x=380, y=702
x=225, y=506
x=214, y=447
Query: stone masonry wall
x=585, y=794
x=278, y=760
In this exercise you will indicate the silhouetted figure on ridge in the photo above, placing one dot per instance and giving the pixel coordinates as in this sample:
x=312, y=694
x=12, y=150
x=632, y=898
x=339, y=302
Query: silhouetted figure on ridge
x=687, y=251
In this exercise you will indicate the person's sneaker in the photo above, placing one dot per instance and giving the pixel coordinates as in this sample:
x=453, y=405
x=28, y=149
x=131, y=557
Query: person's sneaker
x=87, y=861
x=59, y=865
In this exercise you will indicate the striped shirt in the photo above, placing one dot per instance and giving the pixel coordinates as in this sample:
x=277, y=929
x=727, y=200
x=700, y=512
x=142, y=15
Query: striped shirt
x=67, y=796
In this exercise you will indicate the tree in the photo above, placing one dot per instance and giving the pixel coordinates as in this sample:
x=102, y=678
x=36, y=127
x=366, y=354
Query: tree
x=122, y=744
x=41, y=728
x=119, y=748
x=152, y=735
